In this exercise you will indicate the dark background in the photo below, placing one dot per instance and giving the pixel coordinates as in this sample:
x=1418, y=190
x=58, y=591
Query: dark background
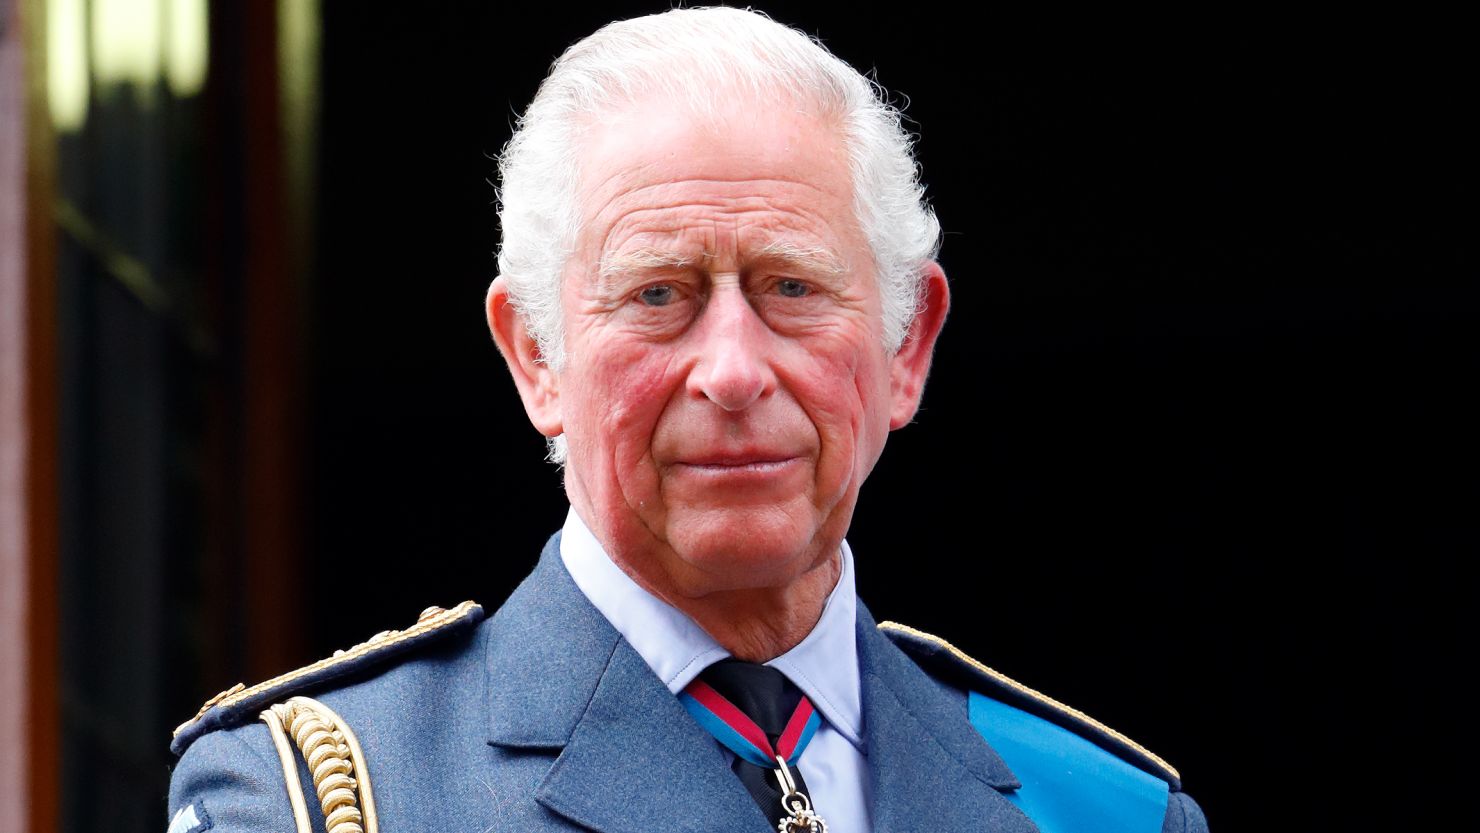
x=1191, y=455
x=1196, y=457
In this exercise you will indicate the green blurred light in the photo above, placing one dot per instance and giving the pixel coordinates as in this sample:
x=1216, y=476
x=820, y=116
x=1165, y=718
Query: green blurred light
x=67, y=86
x=187, y=45
x=298, y=62
x=126, y=43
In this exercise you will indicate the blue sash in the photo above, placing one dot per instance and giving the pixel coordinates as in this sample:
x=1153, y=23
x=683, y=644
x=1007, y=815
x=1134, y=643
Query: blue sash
x=1069, y=784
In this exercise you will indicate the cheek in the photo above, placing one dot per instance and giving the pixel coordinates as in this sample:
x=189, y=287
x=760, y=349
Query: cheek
x=873, y=389
x=870, y=393
x=621, y=393
x=844, y=387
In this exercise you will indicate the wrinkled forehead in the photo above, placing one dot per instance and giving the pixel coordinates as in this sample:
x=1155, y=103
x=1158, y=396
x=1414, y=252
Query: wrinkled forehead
x=736, y=152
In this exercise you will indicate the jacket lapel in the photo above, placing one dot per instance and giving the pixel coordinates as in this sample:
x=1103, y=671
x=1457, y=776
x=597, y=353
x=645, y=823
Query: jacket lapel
x=930, y=770
x=637, y=762
x=630, y=758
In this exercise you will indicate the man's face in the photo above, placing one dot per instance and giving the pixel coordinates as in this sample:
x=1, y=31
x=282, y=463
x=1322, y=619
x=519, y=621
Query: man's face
x=726, y=388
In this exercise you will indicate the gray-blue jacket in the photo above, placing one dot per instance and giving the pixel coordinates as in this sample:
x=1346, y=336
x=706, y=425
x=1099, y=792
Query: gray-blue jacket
x=543, y=718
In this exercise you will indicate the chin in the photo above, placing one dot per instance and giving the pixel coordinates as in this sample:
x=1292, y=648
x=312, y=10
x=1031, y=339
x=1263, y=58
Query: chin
x=745, y=552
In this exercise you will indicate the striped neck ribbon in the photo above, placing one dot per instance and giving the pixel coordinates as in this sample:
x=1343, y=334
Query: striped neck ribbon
x=738, y=733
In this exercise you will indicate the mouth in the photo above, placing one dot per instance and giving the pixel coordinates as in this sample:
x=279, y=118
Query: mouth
x=744, y=465
x=735, y=478
x=739, y=464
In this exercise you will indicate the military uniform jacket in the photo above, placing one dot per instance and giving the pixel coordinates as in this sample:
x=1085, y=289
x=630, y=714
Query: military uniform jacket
x=543, y=718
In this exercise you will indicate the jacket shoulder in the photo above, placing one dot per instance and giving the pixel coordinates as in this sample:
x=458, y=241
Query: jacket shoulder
x=952, y=665
x=242, y=704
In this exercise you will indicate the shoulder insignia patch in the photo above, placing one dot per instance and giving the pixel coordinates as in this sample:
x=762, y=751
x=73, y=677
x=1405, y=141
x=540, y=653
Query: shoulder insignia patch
x=191, y=819
x=240, y=703
x=942, y=656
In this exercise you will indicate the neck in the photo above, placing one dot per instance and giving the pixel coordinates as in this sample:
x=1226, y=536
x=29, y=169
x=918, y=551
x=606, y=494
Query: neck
x=756, y=615
x=761, y=624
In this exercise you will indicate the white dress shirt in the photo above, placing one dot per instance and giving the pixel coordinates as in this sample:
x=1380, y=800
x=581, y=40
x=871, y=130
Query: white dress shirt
x=824, y=666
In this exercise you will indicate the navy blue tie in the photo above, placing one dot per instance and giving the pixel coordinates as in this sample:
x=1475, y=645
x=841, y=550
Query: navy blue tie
x=768, y=698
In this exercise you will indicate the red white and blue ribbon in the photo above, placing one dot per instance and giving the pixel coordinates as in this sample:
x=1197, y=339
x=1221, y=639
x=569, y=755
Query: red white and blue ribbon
x=741, y=735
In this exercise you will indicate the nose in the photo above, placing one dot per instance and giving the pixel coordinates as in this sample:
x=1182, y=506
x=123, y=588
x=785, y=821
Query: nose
x=733, y=366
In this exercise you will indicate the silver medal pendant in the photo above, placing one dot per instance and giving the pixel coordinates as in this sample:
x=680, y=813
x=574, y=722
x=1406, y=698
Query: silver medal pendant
x=800, y=818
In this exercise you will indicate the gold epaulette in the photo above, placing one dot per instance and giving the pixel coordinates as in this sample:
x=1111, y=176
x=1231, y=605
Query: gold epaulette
x=1060, y=713
x=238, y=704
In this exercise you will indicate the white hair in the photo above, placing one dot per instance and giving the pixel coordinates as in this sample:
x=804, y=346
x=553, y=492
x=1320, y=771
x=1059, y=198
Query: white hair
x=698, y=58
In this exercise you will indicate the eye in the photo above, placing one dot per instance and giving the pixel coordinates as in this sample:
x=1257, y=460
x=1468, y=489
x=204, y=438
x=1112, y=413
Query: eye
x=656, y=296
x=791, y=288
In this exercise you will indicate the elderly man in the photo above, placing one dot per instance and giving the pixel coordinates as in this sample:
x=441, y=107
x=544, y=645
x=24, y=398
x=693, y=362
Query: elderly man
x=717, y=298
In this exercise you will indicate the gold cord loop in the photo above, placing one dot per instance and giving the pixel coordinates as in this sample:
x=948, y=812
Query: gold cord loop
x=335, y=762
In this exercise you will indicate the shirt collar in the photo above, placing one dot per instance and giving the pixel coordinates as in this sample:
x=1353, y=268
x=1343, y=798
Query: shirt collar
x=824, y=665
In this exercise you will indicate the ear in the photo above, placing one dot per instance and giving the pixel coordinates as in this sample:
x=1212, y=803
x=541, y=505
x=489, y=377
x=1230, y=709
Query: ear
x=911, y=364
x=539, y=386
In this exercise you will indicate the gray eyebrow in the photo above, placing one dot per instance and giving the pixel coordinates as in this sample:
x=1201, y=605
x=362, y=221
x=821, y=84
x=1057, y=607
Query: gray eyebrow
x=813, y=259
x=640, y=259
x=810, y=259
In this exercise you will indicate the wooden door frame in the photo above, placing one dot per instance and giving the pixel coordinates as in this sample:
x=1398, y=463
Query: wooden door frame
x=30, y=726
